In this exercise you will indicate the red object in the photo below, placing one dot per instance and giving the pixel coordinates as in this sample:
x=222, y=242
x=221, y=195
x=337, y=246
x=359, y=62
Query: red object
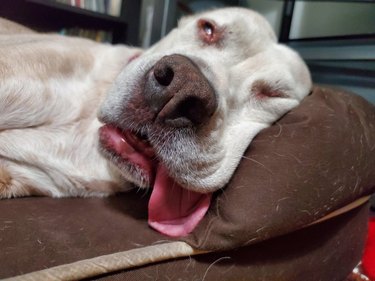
x=368, y=261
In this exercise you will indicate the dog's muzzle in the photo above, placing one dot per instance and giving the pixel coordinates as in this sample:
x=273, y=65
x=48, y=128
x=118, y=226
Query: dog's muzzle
x=178, y=93
x=157, y=120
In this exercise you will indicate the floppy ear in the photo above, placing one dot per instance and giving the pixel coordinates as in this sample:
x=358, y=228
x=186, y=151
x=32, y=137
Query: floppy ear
x=272, y=82
x=287, y=75
x=282, y=73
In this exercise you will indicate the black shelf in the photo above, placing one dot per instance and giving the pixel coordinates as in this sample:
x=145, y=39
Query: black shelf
x=78, y=10
x=51, y=16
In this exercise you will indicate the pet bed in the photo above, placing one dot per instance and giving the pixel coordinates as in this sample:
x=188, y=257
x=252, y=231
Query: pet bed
x=295, y=209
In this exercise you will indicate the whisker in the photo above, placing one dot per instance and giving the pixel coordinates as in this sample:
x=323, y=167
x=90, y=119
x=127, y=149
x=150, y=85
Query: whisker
x=257, y=162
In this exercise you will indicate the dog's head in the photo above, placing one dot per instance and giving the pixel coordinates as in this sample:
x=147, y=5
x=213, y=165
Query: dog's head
x=180, y=116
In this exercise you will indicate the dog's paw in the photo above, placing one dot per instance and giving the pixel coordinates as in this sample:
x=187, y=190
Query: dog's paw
x=11, y=187
x=5, y=183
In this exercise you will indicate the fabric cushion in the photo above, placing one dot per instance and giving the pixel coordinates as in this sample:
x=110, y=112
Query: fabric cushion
x=316, y=159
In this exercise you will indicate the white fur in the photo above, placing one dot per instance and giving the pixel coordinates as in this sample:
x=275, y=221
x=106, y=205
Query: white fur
x=48, y=124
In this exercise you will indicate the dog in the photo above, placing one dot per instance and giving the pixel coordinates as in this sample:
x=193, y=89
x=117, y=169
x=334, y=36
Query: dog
x=79, y=118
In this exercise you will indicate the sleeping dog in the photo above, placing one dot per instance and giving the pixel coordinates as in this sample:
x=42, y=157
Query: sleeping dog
x=79, y=118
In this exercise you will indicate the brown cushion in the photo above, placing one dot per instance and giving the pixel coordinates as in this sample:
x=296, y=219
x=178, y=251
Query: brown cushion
x=317, y=158
x=38, y=233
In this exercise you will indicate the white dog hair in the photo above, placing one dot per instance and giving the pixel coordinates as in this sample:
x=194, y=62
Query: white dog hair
x=52, y=86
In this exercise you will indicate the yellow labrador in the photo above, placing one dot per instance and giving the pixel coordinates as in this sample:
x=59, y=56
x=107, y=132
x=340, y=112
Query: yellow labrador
x=176, y=117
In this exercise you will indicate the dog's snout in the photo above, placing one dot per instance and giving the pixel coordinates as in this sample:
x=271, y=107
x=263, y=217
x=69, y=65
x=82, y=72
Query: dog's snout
x=178, y=92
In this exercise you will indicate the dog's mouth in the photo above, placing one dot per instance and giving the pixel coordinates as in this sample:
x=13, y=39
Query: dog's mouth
x=172, y=210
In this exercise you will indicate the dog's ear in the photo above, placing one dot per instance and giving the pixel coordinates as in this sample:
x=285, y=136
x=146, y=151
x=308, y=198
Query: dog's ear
x=282, y=74
x=271, y=83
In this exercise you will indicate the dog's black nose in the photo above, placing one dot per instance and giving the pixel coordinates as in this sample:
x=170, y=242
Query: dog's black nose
x=178, y=92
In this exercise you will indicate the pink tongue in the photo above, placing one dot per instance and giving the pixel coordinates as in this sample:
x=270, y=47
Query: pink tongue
x=173, y=210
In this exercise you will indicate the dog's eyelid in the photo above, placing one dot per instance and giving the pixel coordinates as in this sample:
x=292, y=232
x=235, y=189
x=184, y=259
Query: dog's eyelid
x=261, y=89
x=208, y=31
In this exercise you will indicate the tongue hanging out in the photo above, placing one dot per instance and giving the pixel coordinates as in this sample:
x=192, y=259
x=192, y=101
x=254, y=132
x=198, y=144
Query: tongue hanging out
x=172, y=210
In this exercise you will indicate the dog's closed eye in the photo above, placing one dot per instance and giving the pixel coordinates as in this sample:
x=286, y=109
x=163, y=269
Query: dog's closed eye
x=209, y=32
x=262, y=89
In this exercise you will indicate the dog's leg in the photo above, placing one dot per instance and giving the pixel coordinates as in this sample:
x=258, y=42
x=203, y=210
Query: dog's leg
x=48, y=139
x=5, y=182
x=43, y=174
x=55, y=161
x=50, y=90
x=24, y=104
x=25, y=179
x=15, y=181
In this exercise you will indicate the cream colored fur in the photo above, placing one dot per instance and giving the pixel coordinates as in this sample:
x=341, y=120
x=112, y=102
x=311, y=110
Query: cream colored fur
x=51, y=88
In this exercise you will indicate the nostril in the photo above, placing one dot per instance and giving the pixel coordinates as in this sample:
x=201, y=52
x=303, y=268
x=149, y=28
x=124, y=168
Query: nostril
x=188, y=111
x=164, y=75
x=193, y=109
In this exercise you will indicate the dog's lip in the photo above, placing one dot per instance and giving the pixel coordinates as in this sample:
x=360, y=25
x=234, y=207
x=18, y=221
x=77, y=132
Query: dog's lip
x=128, y=146
x=139, y=142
